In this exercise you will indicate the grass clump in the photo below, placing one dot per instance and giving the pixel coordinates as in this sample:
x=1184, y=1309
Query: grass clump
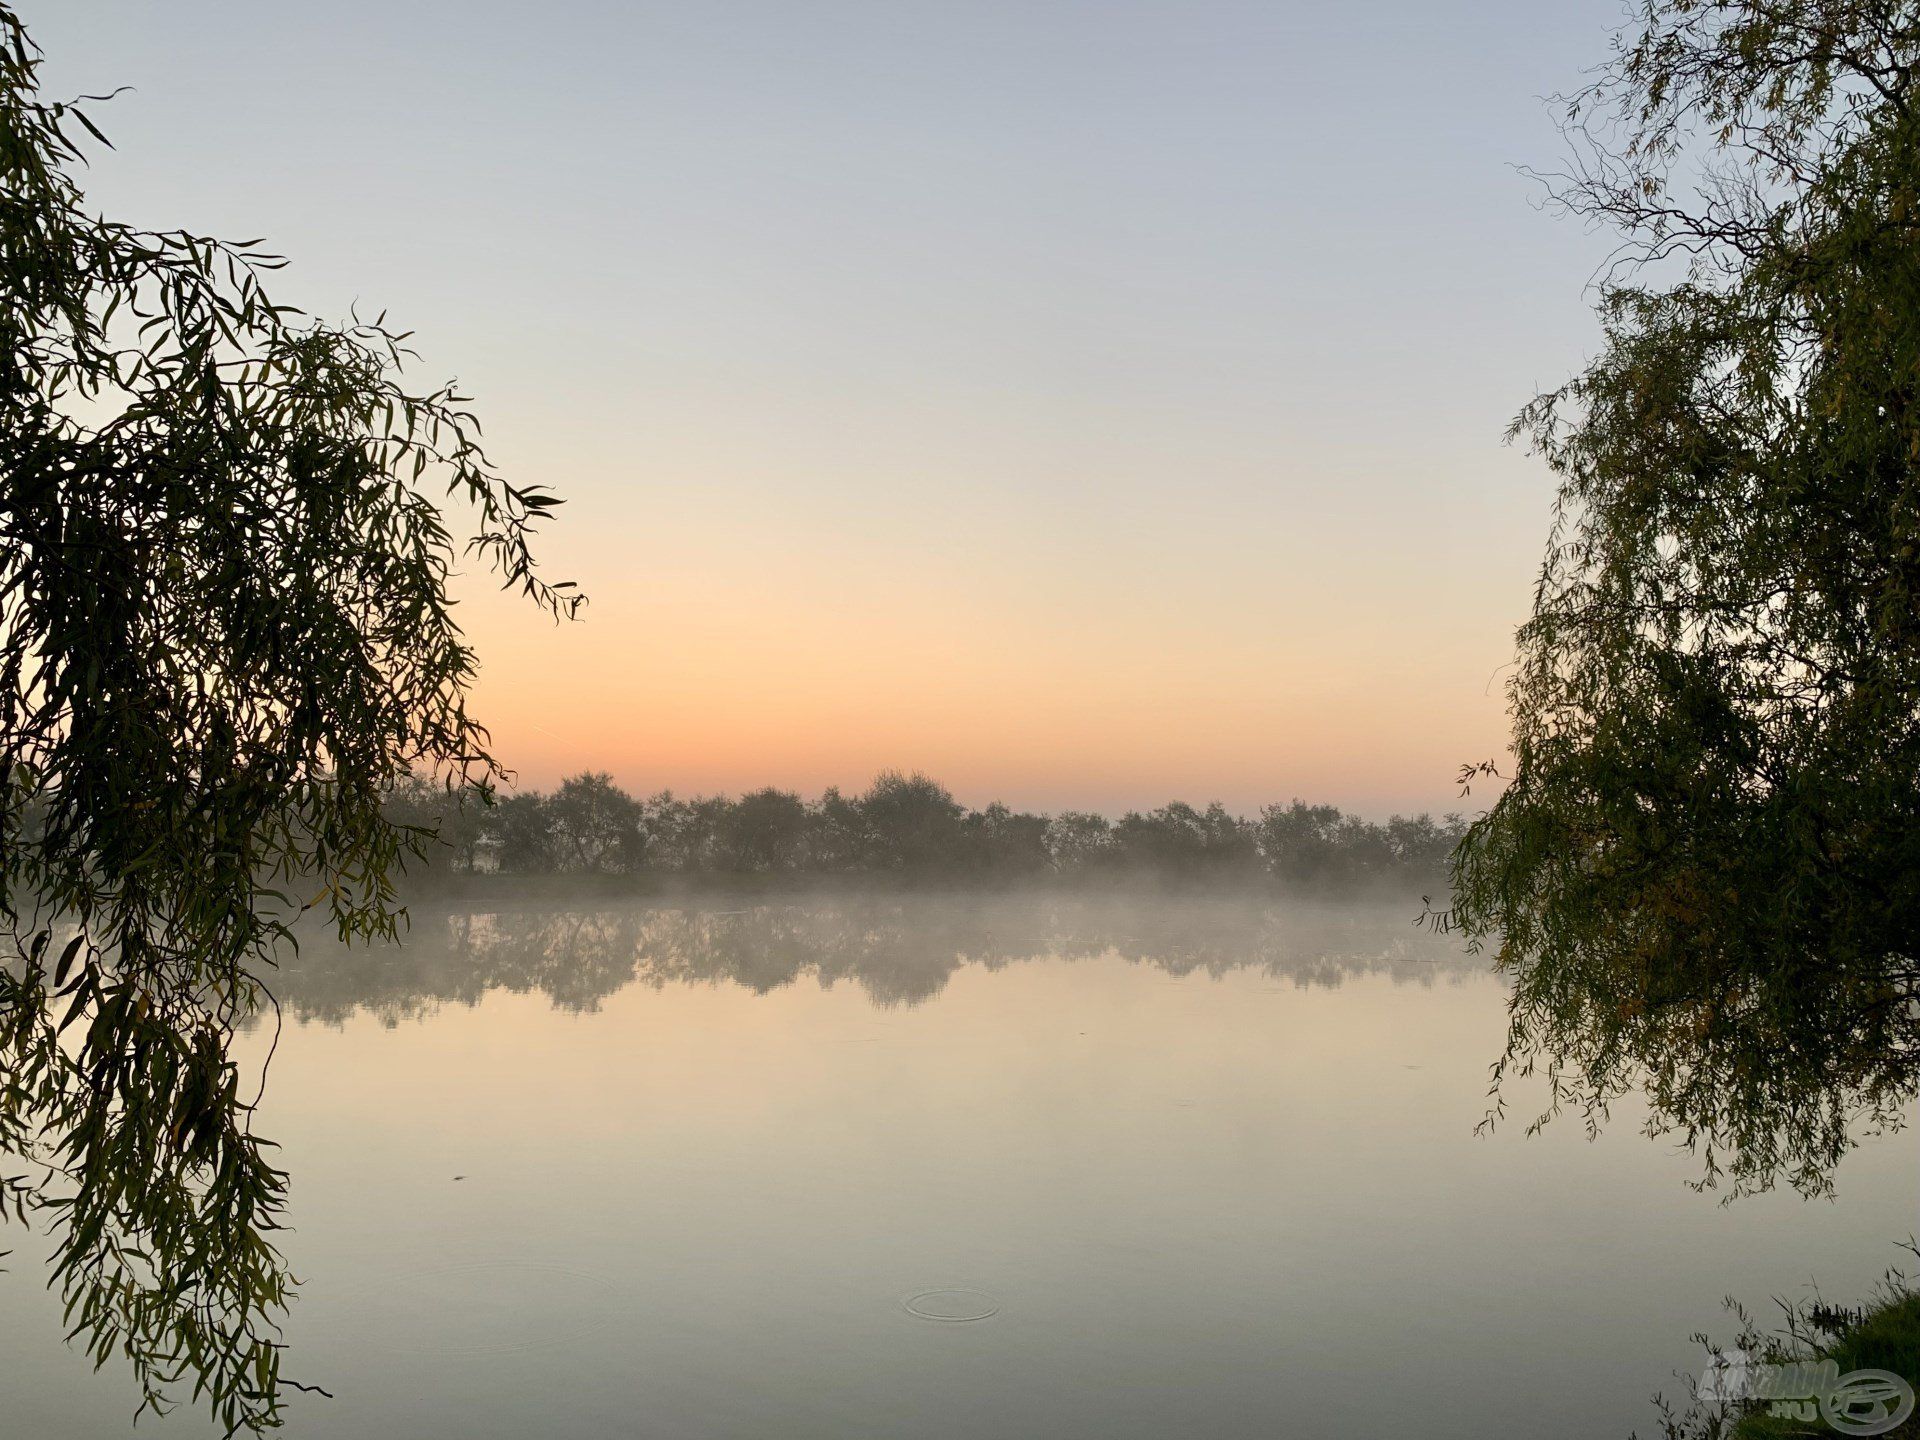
x=1883, y=1333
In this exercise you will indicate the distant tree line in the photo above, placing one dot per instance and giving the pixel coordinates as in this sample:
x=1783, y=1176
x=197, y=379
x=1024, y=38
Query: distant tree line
x=907, y=826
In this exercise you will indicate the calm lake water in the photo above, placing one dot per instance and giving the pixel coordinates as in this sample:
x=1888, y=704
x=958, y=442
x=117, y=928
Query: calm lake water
x=947, y=1169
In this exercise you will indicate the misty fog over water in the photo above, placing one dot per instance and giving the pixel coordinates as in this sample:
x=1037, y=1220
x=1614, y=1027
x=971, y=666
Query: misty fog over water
x=958, y=1166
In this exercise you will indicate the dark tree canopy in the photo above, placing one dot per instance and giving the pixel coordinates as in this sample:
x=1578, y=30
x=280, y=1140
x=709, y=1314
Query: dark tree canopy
x=225, y=637
x=910, y=829
x=1704, y=877
x=594, y=824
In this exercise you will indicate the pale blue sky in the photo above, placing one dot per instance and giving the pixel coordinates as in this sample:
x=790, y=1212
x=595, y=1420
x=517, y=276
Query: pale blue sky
x=1086, y=403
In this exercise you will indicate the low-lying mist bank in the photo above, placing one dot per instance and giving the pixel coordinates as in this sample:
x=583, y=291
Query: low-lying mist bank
x=1417, y=891
x=900, y=948
x=908, y=828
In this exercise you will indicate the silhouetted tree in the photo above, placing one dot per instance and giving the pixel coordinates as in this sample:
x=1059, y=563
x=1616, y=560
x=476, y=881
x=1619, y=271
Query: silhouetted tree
x=910, y=826
x=595, y=825
x=1079, y=843
x=763, y=830
x=1180, y=840
x=227, y=638
x=1005, y=843
x=1301, y=842
x=910, y=822
x=521, y=834
x=672, y=841
x=1420, y=843
x=1704, y=877
x=838, y=840
x=447, y=821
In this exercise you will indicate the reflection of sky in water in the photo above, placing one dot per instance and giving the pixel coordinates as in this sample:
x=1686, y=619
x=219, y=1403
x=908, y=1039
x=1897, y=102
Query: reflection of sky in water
x=1210, y=1167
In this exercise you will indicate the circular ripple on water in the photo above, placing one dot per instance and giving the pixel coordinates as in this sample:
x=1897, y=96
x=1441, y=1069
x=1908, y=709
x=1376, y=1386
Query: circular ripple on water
x=490, y=1308
x=951, y=1305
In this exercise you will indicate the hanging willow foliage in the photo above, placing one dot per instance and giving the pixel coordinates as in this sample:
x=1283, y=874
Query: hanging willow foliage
x=1704, y=877
x=224, y=636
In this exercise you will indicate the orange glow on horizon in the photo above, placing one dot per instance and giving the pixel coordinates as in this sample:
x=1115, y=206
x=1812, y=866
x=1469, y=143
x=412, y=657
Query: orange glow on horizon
x=735, y=692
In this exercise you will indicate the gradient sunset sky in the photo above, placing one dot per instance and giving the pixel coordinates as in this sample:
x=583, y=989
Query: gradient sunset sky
x=1088, y=404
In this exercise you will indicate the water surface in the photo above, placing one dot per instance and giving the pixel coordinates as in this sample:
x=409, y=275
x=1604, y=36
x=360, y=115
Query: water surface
x=950, y=1168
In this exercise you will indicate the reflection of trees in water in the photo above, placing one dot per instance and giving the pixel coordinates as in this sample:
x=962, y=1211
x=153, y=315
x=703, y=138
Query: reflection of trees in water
x=900, y=950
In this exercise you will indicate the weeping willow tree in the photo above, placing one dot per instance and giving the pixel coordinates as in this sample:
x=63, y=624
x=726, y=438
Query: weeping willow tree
x=1703, y=878
x=224, y=635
